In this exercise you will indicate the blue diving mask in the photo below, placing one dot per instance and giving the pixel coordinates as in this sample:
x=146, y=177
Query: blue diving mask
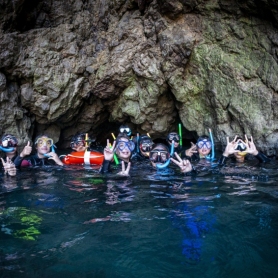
x=125, y=144
x=204, y=143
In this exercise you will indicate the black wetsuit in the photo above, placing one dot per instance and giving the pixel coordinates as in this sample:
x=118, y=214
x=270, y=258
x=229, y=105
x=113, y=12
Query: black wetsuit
x=138, y=157
x=106, y=166
x=194, y=157
x=260, y=156
x=34, y=160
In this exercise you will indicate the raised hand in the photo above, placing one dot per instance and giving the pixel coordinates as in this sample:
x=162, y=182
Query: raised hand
x=9, y=167
x=27, y=150
x=184, y=164
x=192, y=150
x=251, y=148
x=125, y=172
x=230, y=148
x=54, y=156
x=109, y=151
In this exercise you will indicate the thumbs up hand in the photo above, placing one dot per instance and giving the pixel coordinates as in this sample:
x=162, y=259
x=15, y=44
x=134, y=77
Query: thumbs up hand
x=27, y=150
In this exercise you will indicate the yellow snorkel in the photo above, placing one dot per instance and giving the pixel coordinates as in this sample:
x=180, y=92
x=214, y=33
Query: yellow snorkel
x=115, y=156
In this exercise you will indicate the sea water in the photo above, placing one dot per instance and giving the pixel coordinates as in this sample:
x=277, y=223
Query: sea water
x=73, y=221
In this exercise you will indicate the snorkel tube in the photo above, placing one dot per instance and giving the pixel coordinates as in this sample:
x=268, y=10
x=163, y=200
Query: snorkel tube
x=115, y=156
x=52, y=150
x=6, y=150
x=180, y=134
x=86, y=142
x=137, y=145
x=162, y=166
x=211, y=157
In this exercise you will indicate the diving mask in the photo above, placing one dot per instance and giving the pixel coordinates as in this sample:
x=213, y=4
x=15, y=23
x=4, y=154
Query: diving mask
x=44, y=141
x=173, y=136
x=126, y=130
x=146, y=146
x=9, y=141
x=204, y=143
x=125, y=144
x=159, y=156
x=241, y=147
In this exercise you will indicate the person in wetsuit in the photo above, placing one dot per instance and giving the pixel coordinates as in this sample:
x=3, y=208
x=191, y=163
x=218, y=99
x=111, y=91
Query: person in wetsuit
x=174, y=136
x=199, y=151
x=241, y=149
x=45, y=154
x=143, y=148
x=160, y=156
x=125, y=129
x=80, y=143
x=122, y=148
x=9, y=145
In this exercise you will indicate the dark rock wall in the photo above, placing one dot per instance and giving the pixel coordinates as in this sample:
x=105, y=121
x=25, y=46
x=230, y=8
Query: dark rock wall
x=68, y=66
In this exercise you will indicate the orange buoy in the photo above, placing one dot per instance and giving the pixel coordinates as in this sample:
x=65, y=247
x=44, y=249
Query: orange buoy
x=88, y=157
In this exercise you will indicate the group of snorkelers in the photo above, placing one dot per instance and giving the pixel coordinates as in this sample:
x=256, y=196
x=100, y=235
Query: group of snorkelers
x=125, y=149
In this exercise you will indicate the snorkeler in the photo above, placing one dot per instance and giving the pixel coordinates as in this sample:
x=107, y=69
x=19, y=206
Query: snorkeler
x=160, y=157
x=143, y=147
x=240, y=148
x=45, y=155
x=122, y=148
x=201, y=150
x=125, y=129
x=9, y=145
x=80, y=143
x=159, y=154
x=174, y=136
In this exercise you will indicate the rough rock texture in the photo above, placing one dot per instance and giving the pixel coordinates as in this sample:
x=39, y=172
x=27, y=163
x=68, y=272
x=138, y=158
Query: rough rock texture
x=68, y=66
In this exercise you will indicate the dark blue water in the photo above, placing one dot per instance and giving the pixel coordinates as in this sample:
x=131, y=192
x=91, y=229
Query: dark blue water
x=75, y=222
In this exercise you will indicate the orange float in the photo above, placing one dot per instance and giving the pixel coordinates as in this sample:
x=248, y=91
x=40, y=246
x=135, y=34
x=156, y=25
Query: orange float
x=88, y=158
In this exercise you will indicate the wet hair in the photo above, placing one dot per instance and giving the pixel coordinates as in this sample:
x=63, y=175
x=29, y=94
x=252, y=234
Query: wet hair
x=39, y=136
x=145, y=138
x=204, y=137
x=164, y=147
x=78, y=137
x=121, y=135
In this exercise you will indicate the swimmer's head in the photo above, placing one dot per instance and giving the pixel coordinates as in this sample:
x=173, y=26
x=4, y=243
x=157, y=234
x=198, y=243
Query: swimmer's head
x=204, y=145
x=78, y=142
x=125, y=129
x=43, y=143
x=173, y=136
x=9, y=141
x=241, y=147
x=124, y=147
x=159, y=154
x=145, y=145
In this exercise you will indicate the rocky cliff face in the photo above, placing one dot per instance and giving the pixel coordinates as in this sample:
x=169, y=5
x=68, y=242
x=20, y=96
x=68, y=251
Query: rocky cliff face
x=68, y=66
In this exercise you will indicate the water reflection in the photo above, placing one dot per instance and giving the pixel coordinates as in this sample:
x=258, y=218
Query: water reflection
x=158, y=224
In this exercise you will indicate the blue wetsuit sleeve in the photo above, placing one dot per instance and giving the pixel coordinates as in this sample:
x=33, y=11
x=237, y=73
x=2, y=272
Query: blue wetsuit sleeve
x=105, y=167
x=262, y=157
